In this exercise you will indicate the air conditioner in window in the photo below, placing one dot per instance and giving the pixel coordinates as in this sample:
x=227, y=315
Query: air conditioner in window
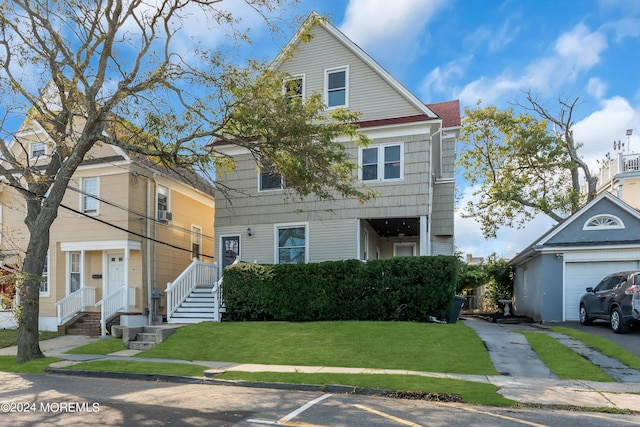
x=164, y=216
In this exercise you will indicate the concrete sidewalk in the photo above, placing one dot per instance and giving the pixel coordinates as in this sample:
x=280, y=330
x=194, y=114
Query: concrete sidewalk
x=535, y=386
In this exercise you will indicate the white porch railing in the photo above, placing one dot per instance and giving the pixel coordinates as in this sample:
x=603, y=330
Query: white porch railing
x=612, y=167
x=118, y=301
x=75, y=302
x=217, y=294
x=197, y=273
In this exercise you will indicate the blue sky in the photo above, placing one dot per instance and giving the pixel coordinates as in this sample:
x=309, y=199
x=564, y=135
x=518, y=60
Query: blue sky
x=494, y=50
x=491, y=50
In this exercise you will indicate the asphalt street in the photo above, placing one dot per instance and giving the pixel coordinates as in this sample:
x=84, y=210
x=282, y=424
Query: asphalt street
x=52, y=400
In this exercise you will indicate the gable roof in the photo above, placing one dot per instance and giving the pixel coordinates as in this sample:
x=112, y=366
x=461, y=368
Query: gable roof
x=315, y=18
x=538, y=244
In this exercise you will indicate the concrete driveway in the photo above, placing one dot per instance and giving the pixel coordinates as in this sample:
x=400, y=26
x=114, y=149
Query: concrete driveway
x=629, y=341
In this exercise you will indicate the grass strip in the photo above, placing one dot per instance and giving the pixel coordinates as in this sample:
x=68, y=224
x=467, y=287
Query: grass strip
x=162, y=368
x=8, y=364
x=386, y=345
x=603, y=345
x=102, y=346
x=9, y=337
x=471, y=392
x=563, y=362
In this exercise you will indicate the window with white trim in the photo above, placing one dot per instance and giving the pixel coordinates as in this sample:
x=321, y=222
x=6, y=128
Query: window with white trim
x=75, y=274
x=162, y=198
x=37, y=149
x=382, y=162
x=269, y=180
x=336, y=87
x=603, y=222
x=89, y=196
x=294, y=87
x=44, y=279
x=291, y=244
x=196, y=242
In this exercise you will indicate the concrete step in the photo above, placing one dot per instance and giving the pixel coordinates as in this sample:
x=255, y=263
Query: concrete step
x=141, y=345
x=146, y=337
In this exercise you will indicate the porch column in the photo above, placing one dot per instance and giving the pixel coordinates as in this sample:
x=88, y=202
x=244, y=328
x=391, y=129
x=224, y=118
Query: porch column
x=425, y=244
x=127, y=253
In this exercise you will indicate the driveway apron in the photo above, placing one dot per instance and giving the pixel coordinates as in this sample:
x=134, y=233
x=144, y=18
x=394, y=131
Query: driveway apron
x=509, y=350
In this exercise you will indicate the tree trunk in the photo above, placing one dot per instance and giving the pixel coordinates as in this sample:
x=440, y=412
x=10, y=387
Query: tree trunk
x=29, y=291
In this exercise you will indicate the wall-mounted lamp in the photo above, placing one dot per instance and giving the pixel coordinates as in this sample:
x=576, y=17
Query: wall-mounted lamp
x=249, y=232
x=559, y=255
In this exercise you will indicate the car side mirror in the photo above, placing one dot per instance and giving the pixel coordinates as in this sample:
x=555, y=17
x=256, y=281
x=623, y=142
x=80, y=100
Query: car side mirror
x=589, y=289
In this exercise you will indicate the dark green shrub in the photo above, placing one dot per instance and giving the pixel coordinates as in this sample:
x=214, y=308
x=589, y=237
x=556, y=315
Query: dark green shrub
x=402, y=288
x=245, y=291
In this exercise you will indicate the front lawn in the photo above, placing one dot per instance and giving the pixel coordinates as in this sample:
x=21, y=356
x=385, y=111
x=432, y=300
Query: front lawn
x=9, y=337
x=452, y=348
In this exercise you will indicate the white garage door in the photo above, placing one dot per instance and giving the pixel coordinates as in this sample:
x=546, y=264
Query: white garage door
x=580, y=275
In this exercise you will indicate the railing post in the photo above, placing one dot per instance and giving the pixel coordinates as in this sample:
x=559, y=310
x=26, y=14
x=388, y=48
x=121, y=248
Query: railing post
x=125, y=289
x=103, y=321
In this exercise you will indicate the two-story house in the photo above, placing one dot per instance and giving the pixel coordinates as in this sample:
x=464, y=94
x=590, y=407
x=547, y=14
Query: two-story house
x=127, y=227
x=409, y=163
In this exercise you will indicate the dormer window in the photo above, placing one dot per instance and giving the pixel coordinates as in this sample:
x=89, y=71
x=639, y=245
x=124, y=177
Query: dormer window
x=603, y=222
x=336, y=87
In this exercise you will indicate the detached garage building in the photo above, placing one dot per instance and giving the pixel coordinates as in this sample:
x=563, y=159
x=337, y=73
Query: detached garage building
x=552, y=274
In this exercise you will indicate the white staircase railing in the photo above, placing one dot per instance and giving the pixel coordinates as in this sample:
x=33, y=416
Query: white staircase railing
x=217, y=294
x=118, y=301
x=75, y=302
x=197, y=273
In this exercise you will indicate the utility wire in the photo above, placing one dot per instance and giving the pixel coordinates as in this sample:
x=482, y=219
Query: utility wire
x=115, y=226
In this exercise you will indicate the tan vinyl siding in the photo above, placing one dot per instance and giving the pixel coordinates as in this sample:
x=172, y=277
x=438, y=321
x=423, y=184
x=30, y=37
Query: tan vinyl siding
x=328, y=240
x=443, y=199
x=406, y=197
x=369, y=93
x=448, y=157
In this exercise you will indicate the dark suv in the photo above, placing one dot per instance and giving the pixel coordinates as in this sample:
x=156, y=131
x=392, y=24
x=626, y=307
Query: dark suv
x=615, y=299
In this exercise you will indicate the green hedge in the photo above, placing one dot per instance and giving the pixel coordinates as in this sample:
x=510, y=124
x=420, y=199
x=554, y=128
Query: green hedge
x=401, y=288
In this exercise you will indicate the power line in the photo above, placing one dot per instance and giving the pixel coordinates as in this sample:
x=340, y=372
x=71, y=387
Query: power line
x=114, y=225
x=126, y=209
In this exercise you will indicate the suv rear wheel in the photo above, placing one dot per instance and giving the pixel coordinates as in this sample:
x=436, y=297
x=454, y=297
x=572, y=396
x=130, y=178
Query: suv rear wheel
x=617, y=322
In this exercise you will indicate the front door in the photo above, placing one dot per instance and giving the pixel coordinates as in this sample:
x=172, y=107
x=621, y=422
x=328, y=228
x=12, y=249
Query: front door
x=230, y=250
x=115, y=273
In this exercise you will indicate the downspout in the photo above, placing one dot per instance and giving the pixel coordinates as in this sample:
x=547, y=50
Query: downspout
x=438, y=134
x=148, y=233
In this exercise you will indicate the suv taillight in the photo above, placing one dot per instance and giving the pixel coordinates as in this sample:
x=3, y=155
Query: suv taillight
x=632, y=289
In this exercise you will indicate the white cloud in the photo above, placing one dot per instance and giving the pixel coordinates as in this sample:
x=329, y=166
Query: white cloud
x=387, y=30
x=574, y=52
x=597, y=131
x=596, y=87
x=437, y=81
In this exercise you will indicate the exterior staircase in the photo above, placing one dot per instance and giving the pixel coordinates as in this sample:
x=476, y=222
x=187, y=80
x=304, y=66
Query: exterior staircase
x=87, y=323
x=198, y=307
x=195, y=296
x=143, y=337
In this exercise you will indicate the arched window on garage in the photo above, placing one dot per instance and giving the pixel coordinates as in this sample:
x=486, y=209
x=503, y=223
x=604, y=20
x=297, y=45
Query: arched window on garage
x=603, y=222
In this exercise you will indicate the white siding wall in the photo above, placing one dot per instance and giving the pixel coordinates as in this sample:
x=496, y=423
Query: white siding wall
x=368, y=92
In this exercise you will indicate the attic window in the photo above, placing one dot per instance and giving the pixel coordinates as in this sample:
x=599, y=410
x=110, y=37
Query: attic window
x=603, y=222
x=336, y=87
